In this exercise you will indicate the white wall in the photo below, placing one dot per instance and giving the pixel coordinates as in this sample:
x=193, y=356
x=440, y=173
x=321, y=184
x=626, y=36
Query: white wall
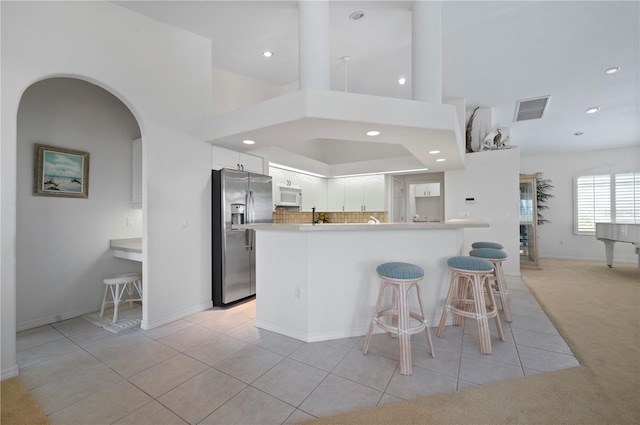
x=73, y=233
x=492, y=179
x=557, y=239
x=164, y=76
x=232, y=91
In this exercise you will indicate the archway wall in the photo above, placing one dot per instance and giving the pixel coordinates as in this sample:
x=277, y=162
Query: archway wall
x=61, y=255
x=164, y=76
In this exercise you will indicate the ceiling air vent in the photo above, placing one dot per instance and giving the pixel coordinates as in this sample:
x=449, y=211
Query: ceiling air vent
x=531, y=109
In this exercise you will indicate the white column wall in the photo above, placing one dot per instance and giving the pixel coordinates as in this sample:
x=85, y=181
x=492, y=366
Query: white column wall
x=164, y=76
x=313, y=51
x=492, y=178
x=426, y=51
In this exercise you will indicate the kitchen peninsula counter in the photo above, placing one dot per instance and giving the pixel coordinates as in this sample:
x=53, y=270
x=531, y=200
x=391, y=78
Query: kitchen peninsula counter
x=319, y=282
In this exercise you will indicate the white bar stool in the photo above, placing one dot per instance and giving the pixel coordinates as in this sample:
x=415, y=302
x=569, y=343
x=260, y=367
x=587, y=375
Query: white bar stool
x=119, y=285
x=466, y=298
x=496, y=257
x=401, y=277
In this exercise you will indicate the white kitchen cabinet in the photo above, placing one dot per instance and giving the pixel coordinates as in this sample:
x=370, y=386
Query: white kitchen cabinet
x=227, y=158
x=373, y=193
x=359, y=193
x=283, y=177
x=136, y=173
x=427, y=189
x=314, y=192
x=335, y=194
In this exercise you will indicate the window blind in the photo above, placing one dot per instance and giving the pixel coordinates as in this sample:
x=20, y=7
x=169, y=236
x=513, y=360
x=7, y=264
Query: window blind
x=606, y=198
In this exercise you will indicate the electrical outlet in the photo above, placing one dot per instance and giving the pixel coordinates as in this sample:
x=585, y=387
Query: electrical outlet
x=297, y=292
x=185, y=222
x=129, y=222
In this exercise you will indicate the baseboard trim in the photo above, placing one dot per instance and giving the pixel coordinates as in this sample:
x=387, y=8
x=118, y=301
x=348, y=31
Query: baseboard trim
x=10, y=372
x=148, y=325
x=47, y=320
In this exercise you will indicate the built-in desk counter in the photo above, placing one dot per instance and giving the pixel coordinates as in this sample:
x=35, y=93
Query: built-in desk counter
x=319, y=282
x=129, y=249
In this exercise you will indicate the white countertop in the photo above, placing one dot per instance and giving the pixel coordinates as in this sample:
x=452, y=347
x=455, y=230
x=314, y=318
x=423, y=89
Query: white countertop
x=131, y=244
x=449, y=224
x=128, y=249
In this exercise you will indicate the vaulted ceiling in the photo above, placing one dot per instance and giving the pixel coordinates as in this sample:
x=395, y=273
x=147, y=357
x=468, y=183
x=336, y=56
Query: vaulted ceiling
x=494, y=54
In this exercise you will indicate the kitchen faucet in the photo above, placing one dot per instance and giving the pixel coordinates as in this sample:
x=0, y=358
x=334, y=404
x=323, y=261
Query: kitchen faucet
x=313, y=215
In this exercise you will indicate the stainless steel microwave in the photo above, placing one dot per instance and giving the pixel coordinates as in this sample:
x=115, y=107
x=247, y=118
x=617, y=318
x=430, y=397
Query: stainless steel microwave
x=288, y=196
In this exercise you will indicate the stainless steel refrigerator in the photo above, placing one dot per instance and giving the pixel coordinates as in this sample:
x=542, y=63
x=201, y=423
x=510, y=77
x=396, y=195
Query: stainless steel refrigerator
x=238, y=197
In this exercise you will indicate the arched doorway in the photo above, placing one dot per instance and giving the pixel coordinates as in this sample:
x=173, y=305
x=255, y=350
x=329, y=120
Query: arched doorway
x=62, y=248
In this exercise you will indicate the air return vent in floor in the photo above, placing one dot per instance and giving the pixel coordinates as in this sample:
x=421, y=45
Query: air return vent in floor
x=531, y=109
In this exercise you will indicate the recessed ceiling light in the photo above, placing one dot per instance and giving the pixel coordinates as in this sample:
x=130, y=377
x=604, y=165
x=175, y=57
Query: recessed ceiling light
x=249, y=142
x=593, y=110
x=402, y=81
x=578, y=133
x=358, y=14
x=612, y=70
x=373, y=133
x=434, y=152
x=440, y=160
x=267, y=54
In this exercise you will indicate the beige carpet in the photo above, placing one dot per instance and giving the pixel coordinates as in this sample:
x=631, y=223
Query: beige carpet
x=596, y=309
x=18, y=408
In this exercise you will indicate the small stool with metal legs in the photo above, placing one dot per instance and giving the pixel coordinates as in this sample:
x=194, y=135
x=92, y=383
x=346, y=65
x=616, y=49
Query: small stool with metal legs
x=496, y=257
x=400, y=277
x=470, y=277
x=122, y=289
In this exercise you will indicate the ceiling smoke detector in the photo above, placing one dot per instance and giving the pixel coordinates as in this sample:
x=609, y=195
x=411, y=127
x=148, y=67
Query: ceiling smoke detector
x=358, y=14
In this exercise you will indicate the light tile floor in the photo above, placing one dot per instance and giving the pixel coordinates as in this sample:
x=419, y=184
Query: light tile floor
x=216, y=367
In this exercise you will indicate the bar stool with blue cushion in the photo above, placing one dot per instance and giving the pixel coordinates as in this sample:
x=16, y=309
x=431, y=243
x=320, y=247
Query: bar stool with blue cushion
x=470, y=276
x=401, y=277
x=492, y=245
x=496, y=257
x=122, y=289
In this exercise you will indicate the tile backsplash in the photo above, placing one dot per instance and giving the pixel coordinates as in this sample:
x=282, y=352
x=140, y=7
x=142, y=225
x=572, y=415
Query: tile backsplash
x=283, y=215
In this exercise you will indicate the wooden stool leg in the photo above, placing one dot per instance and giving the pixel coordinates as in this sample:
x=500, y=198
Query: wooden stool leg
x=484, y=335
x=104, y=300
x=447, y=304
x=116, y=301
x=372, y=325
x=492, y=300
x=424, y=319
x=404, y=339
x=504, y=291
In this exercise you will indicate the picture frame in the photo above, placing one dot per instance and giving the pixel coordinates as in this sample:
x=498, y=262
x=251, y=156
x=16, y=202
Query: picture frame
x=60, y=172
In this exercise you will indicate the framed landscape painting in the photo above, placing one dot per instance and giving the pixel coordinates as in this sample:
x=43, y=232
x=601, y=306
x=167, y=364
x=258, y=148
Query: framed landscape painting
x=60, y=172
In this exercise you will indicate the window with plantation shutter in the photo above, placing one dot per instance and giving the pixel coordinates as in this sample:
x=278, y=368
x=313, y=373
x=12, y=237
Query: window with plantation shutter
x=606, y=198
x=627, y=195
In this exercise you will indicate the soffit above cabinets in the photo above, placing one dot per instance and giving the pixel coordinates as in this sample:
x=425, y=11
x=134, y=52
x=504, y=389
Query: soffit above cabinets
x=330, y=127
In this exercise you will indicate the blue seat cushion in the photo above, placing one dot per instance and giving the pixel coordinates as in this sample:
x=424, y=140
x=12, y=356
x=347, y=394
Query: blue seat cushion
x=469, y=263
x=492, y=245
x=397, y=270
x=494, y=254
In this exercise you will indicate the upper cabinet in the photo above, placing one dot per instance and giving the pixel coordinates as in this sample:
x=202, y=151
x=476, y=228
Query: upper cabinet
x=358, y=193
x=136, y=173
x=314, y=189
x=314, y=192
x=335, y=195
x=227, y=158
x=283, y=177
x=427, y=189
